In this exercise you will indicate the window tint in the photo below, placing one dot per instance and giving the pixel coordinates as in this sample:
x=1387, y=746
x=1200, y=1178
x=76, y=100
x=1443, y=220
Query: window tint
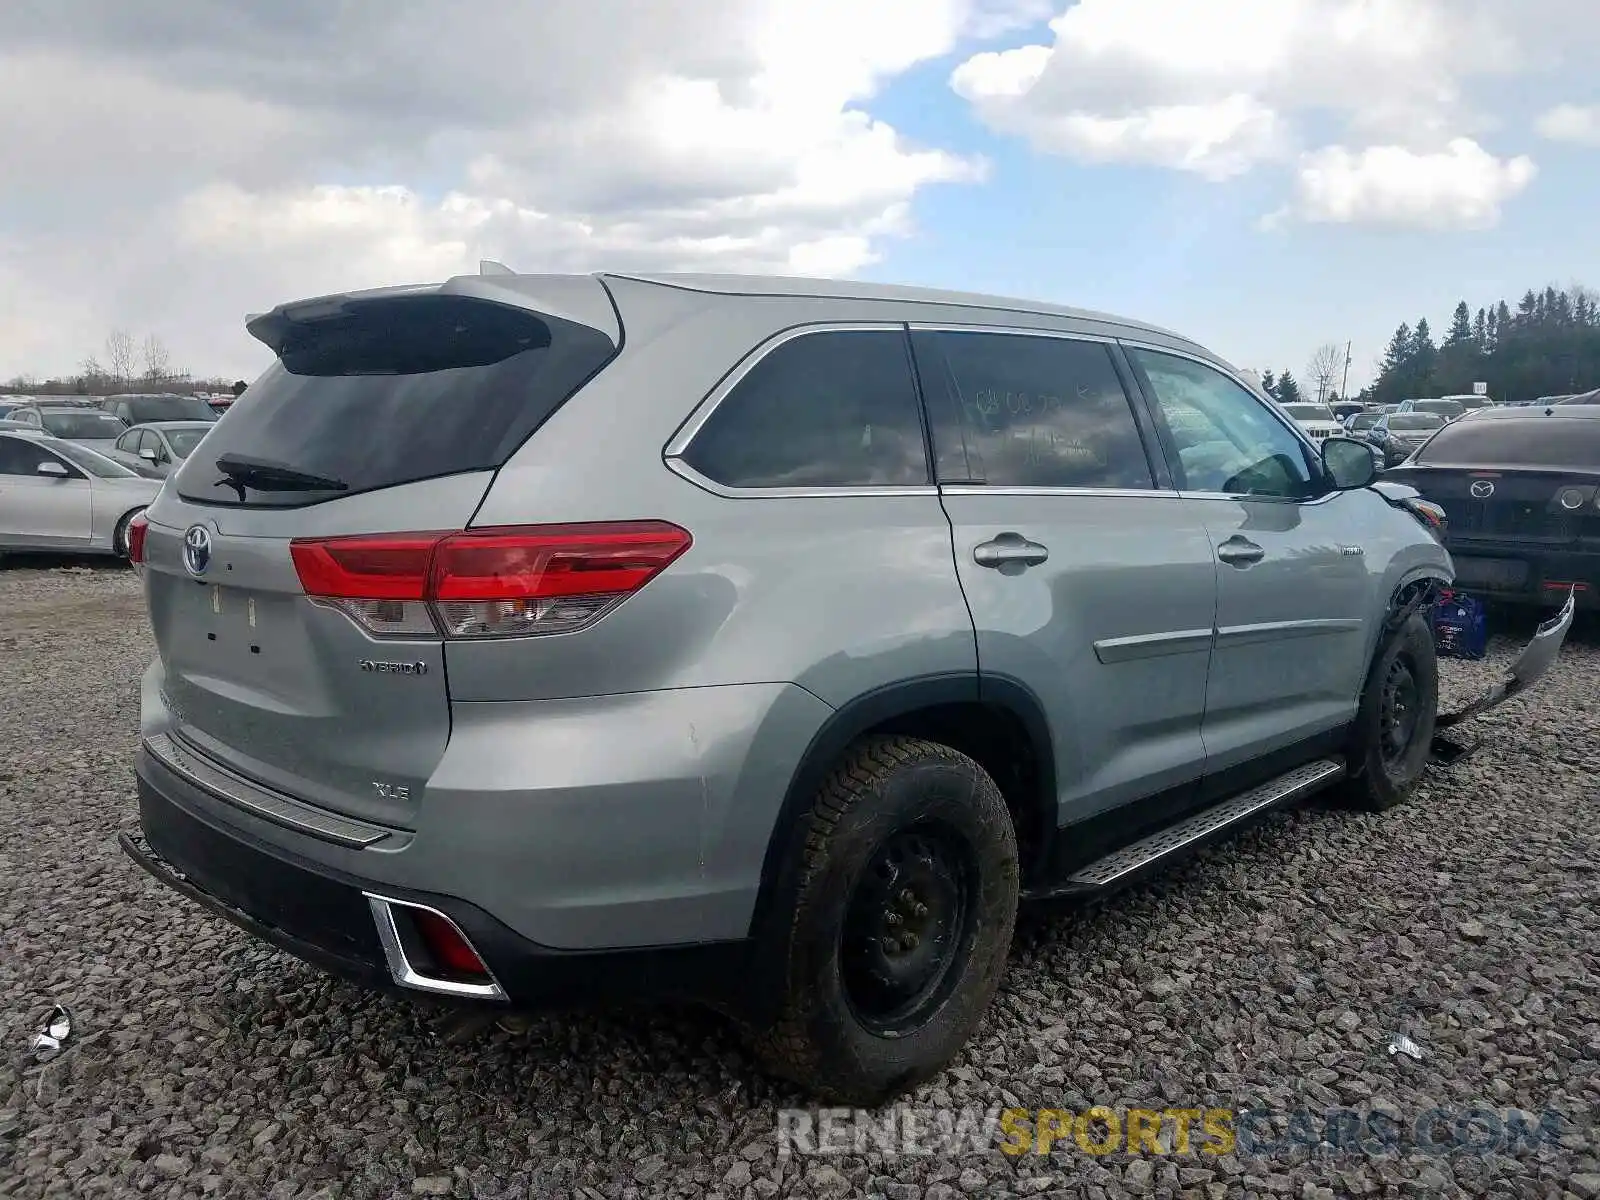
x=1030, y=411
x=1226, y=440
x=20, y=456
x=831, y=409
x=397, y=390
x=1535, y=442
x=83, y=424
x=94, y=462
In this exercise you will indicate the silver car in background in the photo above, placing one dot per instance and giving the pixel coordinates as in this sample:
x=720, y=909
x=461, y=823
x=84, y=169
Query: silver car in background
x=56, y=495
x=157, y=447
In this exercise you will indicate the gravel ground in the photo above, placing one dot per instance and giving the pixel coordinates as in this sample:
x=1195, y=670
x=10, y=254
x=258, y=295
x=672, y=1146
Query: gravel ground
x=1268, y=974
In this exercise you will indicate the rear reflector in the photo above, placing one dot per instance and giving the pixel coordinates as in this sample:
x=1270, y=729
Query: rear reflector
x=137, y=528
x=449, y=949
x=516, y=581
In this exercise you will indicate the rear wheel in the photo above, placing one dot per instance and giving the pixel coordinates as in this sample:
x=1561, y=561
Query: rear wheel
x=1394, y=725
x=119, y=539
x=903, y=919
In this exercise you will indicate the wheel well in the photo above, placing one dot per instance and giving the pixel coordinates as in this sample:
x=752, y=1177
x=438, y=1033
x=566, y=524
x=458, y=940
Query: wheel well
x=124, y=519
x=999, y=742
x=1410, y=598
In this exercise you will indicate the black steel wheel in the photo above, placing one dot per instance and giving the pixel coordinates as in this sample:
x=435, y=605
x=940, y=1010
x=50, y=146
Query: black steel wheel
x=899, y=899
x=1393, y=731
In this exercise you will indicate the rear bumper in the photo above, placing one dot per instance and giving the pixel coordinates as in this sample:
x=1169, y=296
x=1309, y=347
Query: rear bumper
x=323, y=917
x=1519, y=573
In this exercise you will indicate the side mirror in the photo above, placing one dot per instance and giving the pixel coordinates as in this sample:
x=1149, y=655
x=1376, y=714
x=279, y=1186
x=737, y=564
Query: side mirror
x=1349, y=463
x=52, y=469
x=147, y=454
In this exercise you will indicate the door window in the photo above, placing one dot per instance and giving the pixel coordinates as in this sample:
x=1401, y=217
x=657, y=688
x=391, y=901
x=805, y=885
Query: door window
x=18, y=456
x=837, y=408
x=1225, y=439
x=1024, y=410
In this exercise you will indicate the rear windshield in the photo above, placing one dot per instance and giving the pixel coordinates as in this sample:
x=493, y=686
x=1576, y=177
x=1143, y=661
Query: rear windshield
x=169, y=408
x=1308, y=412
x=1449, y=408
x=1534, y=442
x=1415, y=420
x=183, y=441
x=1365, y=420
x=86, y=424
x=399, y=390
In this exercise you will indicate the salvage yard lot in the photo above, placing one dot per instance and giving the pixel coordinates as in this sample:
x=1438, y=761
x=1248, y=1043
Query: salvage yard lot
x=1270, y=974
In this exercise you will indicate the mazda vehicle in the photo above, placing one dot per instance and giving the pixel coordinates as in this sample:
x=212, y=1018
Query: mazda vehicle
x=1521, y=492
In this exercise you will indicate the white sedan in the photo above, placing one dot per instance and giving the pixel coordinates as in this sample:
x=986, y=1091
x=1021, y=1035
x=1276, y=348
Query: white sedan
x=56, y=495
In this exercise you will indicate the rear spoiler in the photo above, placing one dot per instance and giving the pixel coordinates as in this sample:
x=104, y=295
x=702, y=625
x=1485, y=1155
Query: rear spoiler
x=574, y=299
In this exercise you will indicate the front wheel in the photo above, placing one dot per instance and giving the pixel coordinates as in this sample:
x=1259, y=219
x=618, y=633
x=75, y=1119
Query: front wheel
x=900, y=929
x=1393, y=733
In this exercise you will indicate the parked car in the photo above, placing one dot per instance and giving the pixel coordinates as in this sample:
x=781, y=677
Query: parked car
x=1450, y=410
x=1358, y=425
x=159, y=445
x=74, y=423
x=1316, y=419
x=9, y=406
x=144, y=408
x=1521, y=490
x=1471, y=402
x=57, y=495
x=724, y=719
x=1398, y=434
x=1343, y=410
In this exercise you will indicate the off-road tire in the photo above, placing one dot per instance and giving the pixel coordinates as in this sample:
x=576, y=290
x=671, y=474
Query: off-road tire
x=119, y=539
x=1380, y=780
x=884, y=790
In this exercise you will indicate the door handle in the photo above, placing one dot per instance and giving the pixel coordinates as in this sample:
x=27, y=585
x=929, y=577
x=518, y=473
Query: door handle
x=1238, y=552
x=1009, y=548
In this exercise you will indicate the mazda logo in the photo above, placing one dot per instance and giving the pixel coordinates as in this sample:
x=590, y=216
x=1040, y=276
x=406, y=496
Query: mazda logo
x=196, y=550
x=1482, y=489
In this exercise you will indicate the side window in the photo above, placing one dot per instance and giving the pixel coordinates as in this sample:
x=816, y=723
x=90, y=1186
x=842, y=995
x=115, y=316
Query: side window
x=129, y=442
x=1030, y=411
x=831, y=409
x=20, y=457
x=1226, y=440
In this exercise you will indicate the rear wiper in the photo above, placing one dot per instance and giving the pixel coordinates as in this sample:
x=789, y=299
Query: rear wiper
x=240, y=472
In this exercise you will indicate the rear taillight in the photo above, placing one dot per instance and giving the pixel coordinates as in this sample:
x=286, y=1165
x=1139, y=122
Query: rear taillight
x=518, y=581
x=137, y=528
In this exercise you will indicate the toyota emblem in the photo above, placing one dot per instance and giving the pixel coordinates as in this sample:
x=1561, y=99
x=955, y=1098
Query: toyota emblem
x=196, y=550
x=1482, y=489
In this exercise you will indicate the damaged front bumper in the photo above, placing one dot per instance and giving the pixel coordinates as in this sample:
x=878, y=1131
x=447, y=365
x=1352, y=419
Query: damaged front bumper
x=1532, y=665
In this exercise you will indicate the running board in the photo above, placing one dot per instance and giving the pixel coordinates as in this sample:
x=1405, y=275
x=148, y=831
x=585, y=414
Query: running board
x=1188, y=835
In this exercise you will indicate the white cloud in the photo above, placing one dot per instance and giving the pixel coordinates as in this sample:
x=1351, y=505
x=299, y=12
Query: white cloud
x=188, y=163
x=1571, y=123
x=1461, y=187
x=1220, y=87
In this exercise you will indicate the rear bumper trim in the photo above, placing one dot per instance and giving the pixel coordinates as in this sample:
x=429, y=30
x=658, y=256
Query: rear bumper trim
x=256, y=800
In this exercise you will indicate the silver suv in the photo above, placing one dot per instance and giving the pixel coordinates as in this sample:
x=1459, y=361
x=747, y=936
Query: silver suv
x=536, y=640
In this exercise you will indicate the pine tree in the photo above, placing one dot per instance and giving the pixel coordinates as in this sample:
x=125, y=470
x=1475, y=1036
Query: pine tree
x=1269, y=383
x=1480, y=332
x=1492, y=329
x=1424, y=358
x=1397, y=358
x=1460, y=326
x=1288, y=390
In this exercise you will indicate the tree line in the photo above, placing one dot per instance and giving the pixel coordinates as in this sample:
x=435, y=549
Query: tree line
x=125, y=364
x=1549, y=344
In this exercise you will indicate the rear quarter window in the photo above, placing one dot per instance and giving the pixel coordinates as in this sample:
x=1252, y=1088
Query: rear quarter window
x=396, y=391
x=830, y=409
